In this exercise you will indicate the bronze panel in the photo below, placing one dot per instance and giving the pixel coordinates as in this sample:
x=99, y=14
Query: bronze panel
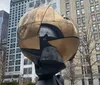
x=51, y=15
x=67, y=47
x=28, y=17
x=28, y=31
x=30, y=43
x=29, y=26
x=32, y=20
x=66, y=27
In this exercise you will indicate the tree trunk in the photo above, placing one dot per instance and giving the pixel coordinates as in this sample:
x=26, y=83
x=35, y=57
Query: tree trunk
x=83, y=80
x=72, y=75
x=72, y=82
x=91, y=74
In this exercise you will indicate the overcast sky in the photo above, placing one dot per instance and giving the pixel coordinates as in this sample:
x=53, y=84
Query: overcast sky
x=5, y=5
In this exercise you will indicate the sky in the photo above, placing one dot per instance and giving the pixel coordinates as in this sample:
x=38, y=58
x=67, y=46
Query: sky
x=5, y=5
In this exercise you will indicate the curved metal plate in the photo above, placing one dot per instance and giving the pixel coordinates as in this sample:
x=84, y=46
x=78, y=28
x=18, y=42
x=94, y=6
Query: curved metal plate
x=66, y=47
x=30, y=43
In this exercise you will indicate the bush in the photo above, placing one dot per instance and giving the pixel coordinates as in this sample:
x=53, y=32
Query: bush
x=31, y=83
x=10, y=83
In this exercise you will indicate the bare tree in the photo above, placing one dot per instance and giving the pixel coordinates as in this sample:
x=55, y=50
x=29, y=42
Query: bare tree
x=70, y=72
x=85, y=53
x=86, y=50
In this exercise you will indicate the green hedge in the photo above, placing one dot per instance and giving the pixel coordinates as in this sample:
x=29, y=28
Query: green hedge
x=31, y=83
x=10, y=83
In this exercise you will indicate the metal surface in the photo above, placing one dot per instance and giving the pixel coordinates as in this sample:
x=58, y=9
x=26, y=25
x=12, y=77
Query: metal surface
x=29, y=26
x=31, y=43
x=47, y=39
x=66, y=47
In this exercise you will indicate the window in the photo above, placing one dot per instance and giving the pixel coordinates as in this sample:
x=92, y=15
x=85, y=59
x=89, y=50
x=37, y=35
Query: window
x=11, y=62
x=97, y=46
x=92, y=8
x=67, y=0
x=85, y=38
x=99, y=26
x=30, y=62
x=27, y=70
x=11, y=69
x=6, y=70
x=17, y=44
x=13, y=40
x=96, y=0
x=79, y=21
x=94, y=27
x=48, y=0
x=86, y=69
x=12, y=45
x=84, y=28
x=96, y=37
x=18, y=56
x=30, y=70
x=90, y=81
x=6, y=57
x=11, y=57
x=99, y=35
x=18, y=50
x=17, y=68
x=91, y=1
x=27, y=62
x=82, y=3
x=83, y=20
x=42, y=1
x=77, y=4
x=68, y=13
x=98, y=16
x=98, y=68
x=54, y=5
x=83, y=59
x=97, y=7
x=12, y=51
x=13, y=35
x=80, y=29
x=9, y=30
x=25, y=1
x=67, y=5
x=82, y=11
x=12, y=24
x=93, y=17
x=98, y=56
x=78, y=12
x=17, y=62
x=37, y=4
x=31, y=4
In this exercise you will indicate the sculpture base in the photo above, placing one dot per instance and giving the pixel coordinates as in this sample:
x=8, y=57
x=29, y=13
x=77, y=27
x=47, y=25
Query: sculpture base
x=54, y=80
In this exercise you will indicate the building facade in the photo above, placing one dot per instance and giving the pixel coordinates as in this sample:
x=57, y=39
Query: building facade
x=86, y=15
x=4, y=16
x=19, y=67
x=2, y=63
